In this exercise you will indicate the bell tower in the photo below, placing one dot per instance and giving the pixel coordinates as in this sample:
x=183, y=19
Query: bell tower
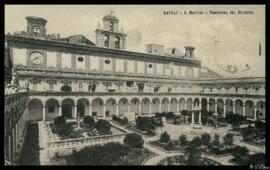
x=36, y=26
x=109, y=36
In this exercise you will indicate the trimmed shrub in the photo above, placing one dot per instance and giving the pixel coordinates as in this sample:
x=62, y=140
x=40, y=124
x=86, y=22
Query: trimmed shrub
x=134, y=140
x=89, y=121
x=59, y=121
x=206, y=138
x=164, y=137
x=183, y=140
x=103, y=126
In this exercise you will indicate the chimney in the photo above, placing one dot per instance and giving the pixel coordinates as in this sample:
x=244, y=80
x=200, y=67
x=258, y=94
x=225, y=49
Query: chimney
x=189, y=52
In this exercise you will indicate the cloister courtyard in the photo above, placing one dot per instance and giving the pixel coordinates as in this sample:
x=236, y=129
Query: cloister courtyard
x=153, y=151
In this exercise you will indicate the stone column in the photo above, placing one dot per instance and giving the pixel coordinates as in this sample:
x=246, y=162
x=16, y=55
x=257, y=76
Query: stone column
x=207, y=106
x=244, y=110
x=140, y=108
x=200, y=117
x=224, y=110
x=128, y=108
x=177, y=107
x=255, y=113
x=192, y=118
x=60, y=110
x=169, y=107
x=185, y=105
x=90, y=110
x=150, y=109
x=104, y=111
x=215, y=108
x=43, y=113
x=117, y=110
x=75, y=111
x=159, y=107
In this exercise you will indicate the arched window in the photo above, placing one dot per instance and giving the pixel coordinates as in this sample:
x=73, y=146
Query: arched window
x=66, y=88
x=117, y=42
x=106, y=41
x=173, y=51
x=111, y=26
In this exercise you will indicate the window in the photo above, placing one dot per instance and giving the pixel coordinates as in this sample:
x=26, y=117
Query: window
x=80, y=59
x=150, y=65
x=236, y=89
x=92, y=88
x=173, y=51
x=155, y=51
x=130, y=83
x=107, y=61
x=106, y=41
x=80, y=86
x=211, y=90
x=169, y=90
x=257, y=89
x=117, y=42
x=261, y=114
x=51, y=109
x=111, y=26
x=34, y=86
x=51, y=86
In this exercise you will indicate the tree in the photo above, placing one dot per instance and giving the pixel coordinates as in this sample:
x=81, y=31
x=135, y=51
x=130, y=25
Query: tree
x=60, y=121
x=196, y=141
x=206, y=138
x=89, y=121
x=215, y=142
x=183, y=140
x=164, y=137
x=124, y=121
x=228, y=140
x=193, y=152
x=108, y=154
x=134, y=140
x=184, y=112
x=103, y=126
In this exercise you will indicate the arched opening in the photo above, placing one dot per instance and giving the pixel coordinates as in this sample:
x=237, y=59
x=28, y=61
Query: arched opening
x=165, y=105
x=204, y=104
x=189, y=104
x=134, y=105
x=35, y=107
x=239, y=107
x=212, y=105
x=110, y=107
x=174, y=105
x=66, y=88
x=220, y=107
x=182, y=104
x=111, y=26
x=145, y=106
x=117, y=42
x=249, y=106
x=260, y=110
x=106, y=41
x=155, y=105
x=123, y=106
x=52, y=109
x=68, y=108
x=229, y=106
x=82, y=107
x=97, y=107
x=196, y=102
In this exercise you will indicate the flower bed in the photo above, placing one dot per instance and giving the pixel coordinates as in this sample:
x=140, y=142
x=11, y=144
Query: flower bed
x=249, y=159
x=180, y=160
x=163, y=146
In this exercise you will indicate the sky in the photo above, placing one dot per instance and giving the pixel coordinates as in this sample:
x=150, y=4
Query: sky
x=219, y=40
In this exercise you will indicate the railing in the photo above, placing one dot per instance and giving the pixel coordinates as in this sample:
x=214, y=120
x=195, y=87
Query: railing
x=81, y=142
x=57, y=93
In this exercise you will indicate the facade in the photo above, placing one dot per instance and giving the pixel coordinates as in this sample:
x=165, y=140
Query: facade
x=75, y=77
